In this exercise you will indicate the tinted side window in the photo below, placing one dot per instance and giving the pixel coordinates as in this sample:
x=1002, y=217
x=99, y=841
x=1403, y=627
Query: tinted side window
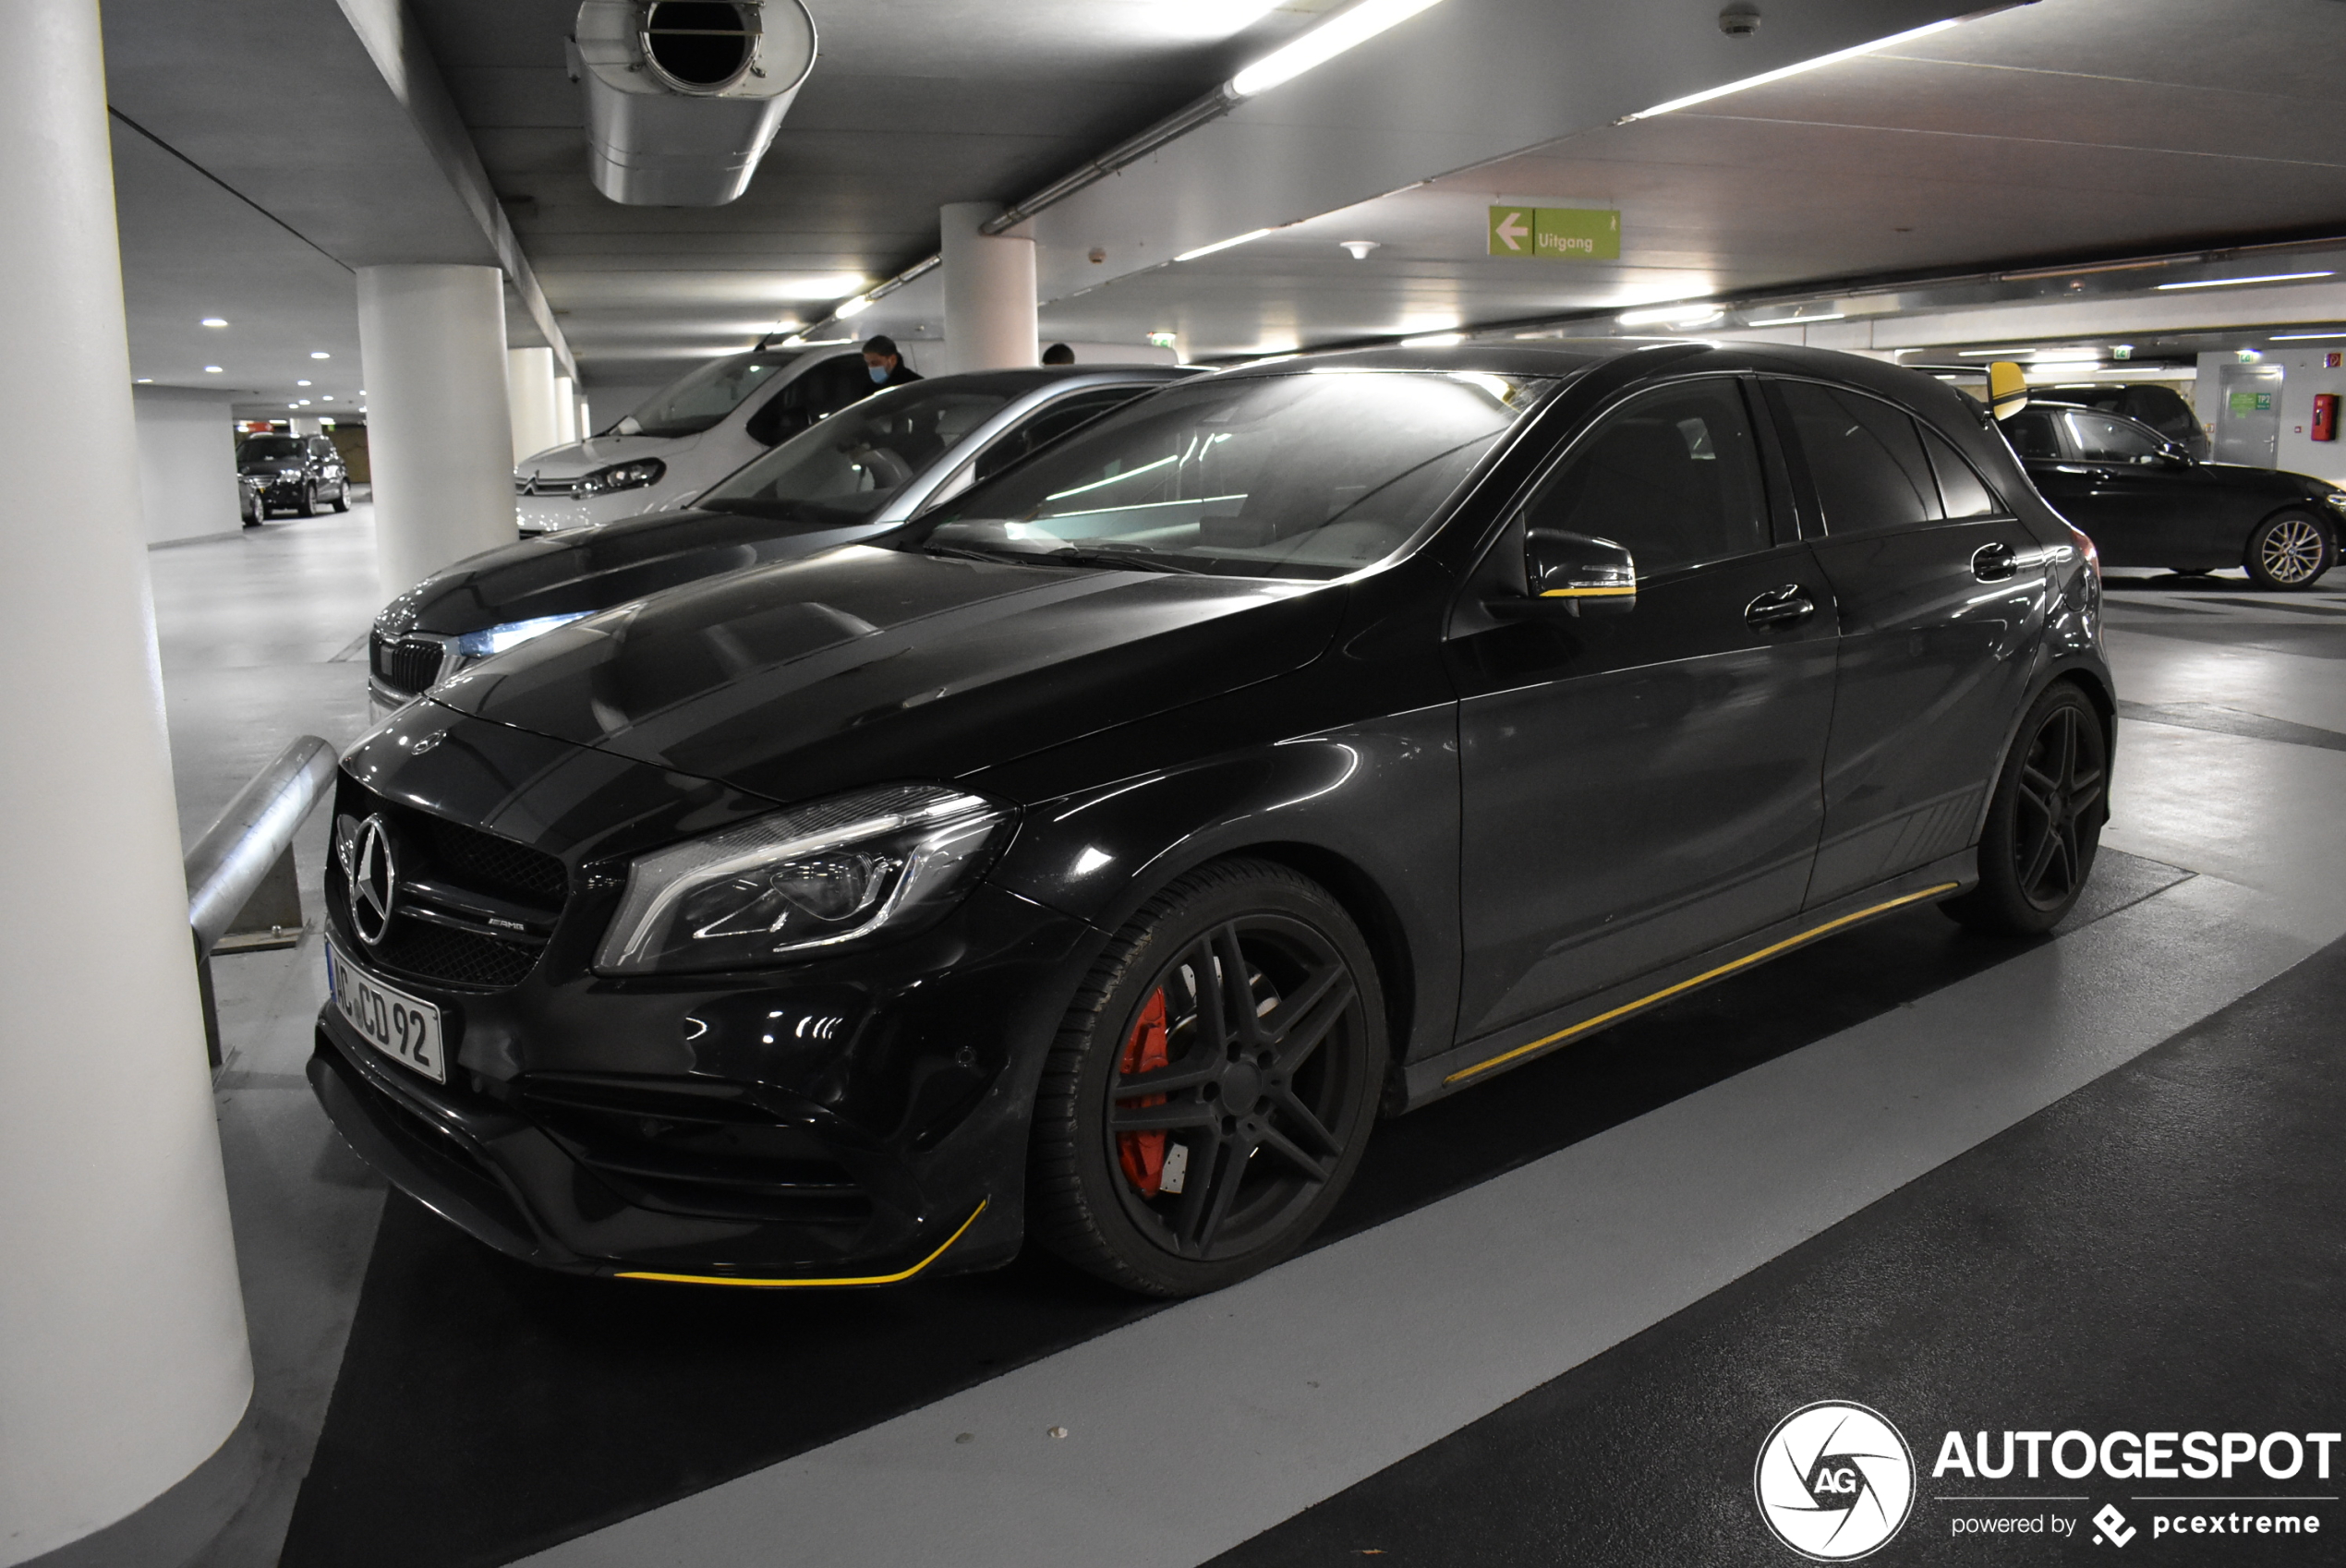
x=2101, y=439
x=1960, y=486
x=1048, y=424
x=2031, y=434
x=1673, y=475
x=819, y=393
x=1863, y=458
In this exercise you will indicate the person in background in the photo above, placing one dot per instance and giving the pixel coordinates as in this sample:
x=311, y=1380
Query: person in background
x=1059, y=354
x=887, y=366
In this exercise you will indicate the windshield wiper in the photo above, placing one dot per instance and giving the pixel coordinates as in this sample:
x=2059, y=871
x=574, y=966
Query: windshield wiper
x=975, y=553
x=1129, y=559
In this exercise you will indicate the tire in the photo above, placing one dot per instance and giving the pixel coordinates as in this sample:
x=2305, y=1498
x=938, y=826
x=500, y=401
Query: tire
x=2289, y=551
x=308, y=507
x=342, y=496
x=2044, y=821
x=1305, y=1061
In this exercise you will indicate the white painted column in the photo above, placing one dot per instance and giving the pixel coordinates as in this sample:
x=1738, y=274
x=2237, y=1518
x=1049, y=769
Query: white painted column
x=565, y=409
x=439, y=434
x=531, y=387
x=989, y=292
x=123, y=1359
x=186, y=462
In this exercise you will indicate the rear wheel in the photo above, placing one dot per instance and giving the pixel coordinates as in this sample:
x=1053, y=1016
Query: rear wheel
x=2289, y=551
x=2044, y=821
x=1211, y=1088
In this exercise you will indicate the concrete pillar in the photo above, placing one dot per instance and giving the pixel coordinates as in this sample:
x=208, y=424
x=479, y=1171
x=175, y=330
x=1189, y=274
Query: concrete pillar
x=529, y=388
x=123, y=1359
x=989, y=293
x=439, y=434
x=186, y=464
x=565, y=409
x=581, y=417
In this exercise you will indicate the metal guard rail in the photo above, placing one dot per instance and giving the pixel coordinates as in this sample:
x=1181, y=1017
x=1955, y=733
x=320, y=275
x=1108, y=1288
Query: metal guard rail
x=227, y=864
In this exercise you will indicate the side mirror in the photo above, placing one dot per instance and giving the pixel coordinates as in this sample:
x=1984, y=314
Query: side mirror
x=2174, y=454
x=1580, y=574
x=2007, y=389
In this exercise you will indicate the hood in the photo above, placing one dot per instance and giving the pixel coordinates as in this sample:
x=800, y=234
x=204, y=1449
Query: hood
x=865, y=664
x=601, y=452
x=594, y=568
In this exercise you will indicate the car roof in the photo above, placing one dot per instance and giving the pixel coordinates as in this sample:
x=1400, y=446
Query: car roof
x=1027, y=377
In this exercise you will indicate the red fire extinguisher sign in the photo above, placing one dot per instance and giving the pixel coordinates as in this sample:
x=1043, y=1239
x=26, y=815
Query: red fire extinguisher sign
x=2325, y=417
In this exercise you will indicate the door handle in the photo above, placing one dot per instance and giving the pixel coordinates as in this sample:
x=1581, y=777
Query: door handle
x=1993, y=563
x=1786, y=605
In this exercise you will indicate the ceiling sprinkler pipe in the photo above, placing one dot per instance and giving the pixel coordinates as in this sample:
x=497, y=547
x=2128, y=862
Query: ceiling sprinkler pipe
x=684, y=96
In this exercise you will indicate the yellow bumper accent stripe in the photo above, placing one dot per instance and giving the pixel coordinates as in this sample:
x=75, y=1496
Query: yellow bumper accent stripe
x=1744, y=962
x=1587, y=593
x=798, y=1285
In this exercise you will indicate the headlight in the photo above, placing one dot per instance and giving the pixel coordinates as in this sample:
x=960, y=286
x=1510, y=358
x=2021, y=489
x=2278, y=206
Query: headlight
x=801, y=881
x=497, y=639
x=623, y=477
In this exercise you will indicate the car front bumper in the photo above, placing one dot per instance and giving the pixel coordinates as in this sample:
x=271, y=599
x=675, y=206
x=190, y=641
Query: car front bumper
x=857, y=1121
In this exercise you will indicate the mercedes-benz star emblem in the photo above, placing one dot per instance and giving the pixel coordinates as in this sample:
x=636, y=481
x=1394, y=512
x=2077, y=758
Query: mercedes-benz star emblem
x=374, y=883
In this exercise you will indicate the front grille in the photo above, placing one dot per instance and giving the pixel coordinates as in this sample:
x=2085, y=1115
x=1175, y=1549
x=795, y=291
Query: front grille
x=462, y=957
x=540, y=487
x=462, y=892
x=406, y=664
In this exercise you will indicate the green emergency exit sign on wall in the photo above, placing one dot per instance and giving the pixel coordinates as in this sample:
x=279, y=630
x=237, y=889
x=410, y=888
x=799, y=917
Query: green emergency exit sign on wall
x=1556, y=234
x=2252, y=402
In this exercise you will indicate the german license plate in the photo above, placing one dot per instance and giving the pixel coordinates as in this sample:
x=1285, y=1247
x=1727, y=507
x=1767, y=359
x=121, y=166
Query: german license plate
x=404, y=1028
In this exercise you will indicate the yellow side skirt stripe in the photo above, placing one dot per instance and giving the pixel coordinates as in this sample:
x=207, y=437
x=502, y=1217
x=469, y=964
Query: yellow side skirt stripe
x=796, y=1285
x=1587, y=593
x=1667, y=990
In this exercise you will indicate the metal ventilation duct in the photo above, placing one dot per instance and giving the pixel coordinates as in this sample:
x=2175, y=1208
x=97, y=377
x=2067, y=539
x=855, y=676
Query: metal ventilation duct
x=684, y=96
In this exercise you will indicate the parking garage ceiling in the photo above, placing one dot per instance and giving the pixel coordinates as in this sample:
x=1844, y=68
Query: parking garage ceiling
x=272, y=153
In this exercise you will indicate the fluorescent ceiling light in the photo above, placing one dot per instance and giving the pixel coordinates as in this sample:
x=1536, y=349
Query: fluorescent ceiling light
x=854, y=306
x=301, y=384
x=1435, y=340
x=1989, y=353
x=1796, y=320
x=213, y=321
x=2301, y=337
x=1670, y=315
x=320, y=354
x=211, y=369
x=1221, y=245
x=2266, y=278
x=1324, y=43
x=1764, y=78
x=2063, y=367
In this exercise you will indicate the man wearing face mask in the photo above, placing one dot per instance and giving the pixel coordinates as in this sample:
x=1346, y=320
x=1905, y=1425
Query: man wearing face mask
x=887, y=366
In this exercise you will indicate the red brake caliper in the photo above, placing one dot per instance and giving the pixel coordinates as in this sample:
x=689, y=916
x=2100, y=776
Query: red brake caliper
x=1142, y=1154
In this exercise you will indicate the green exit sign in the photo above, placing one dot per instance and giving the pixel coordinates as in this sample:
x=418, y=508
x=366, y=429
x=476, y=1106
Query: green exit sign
x=1556, y=234
x=2252, y=402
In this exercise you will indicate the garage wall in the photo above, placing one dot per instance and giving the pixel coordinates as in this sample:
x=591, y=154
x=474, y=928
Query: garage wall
x=186, y=464
x=2302, y=375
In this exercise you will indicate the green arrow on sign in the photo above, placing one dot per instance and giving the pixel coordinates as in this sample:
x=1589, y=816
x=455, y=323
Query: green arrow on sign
x=1511, y=231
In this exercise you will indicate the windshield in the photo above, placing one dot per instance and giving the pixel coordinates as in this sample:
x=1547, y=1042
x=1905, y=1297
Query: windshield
x=692, y=404
x=267, y=448
x=847, y=466
x=1312, y=475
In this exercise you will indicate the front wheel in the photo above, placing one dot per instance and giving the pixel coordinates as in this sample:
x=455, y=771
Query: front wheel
x=308, y=507
x=342, y=496
x=2044, y=821
x=2289, y=551
x=1211, y=1090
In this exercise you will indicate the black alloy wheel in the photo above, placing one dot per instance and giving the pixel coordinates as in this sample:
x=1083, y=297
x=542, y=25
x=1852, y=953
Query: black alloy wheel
x=2289, y=551
x=308, y=507
x=1211, y=1090
x=2044, y=822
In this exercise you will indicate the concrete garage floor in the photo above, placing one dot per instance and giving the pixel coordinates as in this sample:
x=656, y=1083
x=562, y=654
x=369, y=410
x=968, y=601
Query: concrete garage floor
x=2088, y=1182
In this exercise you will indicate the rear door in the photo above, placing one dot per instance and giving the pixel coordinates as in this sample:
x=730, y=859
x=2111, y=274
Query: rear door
x=1941, y=592
x=1641, y=787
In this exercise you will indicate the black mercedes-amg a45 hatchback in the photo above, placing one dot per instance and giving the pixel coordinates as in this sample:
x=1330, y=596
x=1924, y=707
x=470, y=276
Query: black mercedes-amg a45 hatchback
x=1098, y=858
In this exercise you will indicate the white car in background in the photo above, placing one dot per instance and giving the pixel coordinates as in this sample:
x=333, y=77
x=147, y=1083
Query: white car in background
x=687, y=436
